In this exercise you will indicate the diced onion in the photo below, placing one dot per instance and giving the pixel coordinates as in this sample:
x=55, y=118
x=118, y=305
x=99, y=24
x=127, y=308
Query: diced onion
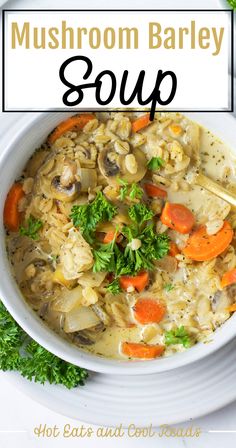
x=91, y=278
x=68, y=300
x=80, y=319
x=88, y=179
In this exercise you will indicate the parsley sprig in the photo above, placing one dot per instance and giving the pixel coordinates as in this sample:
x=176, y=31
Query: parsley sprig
x=178, y=336
x=133, y=190
x=169, y=287
x=104, y=257
x=114, y=287
x=139, y=213
x=153, y=247
x=32, y=229
x=124, y=260
x=156, y=163
x=123, y=189
x=109, y=258
x=20, y=353
x=87, y=216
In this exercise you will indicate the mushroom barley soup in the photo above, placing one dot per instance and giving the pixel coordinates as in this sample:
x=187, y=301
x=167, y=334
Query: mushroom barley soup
x=113, y=243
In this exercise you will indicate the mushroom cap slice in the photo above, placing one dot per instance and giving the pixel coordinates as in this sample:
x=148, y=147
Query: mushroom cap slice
x=62, y=193
x=115, y=170
x=109, y=167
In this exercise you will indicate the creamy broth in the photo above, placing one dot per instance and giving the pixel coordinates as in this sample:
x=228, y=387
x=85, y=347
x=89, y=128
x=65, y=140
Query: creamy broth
x=57, y=267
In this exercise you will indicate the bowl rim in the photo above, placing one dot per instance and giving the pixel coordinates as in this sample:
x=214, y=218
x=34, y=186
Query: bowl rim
x=34, y=326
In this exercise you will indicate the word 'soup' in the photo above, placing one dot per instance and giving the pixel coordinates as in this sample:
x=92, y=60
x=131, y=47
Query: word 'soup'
x=100, y=84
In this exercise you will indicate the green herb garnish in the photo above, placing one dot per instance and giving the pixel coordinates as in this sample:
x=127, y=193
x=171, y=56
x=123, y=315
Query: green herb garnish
x=232, y=3
x=87, y=216
x=178, y=336
x=104, y=258
x=153, y=247
x=139, y=213
x=156, y=163
x=20, y=353
x=169, y=287
x=133, y=191
x=32, y=229
x=124, y=189
x=114, y=287
x=124, y=260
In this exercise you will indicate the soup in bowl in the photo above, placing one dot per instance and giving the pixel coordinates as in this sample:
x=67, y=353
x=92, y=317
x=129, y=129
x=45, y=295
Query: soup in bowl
x=116, y=248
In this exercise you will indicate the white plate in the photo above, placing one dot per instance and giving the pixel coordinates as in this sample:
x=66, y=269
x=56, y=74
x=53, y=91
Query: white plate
x=169, y=397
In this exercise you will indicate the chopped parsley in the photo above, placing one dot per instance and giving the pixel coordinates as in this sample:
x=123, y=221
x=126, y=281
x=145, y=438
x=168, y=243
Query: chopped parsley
x=104, y=258
x=156, y=163
x=20, y=353
x=169, y=287
x=133, y=191
x=87, y=216
x=124, y=260
x=109, y=258
x=139, y=213
x=32, y=229
x=114, y=287
x=153, y=247
x=124, y=189
x=178, y=336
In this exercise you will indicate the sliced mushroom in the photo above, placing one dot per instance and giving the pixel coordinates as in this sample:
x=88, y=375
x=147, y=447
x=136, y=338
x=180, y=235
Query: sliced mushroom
x=86, y=155
x=81, y=339
x=39, y=263
x=88, y=337
x=109, y=163
x=231, y=291
x=65, y=193
x=223, y=299
x=103, y=316
x=43, y=310
x=113, y=166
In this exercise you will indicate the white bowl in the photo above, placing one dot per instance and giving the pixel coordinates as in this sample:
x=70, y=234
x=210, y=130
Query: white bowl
x=19, y=144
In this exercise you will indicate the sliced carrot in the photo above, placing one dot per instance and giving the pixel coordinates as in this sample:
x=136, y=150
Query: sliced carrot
x=147, y=311
x=174, y=250
x=11, y=214
x=141, y=122
x=228, y=278
x=155, y=192
x=142, y=351
x=78, y=121
x=202, y=247
x=109, y=237
x=232, y=308
x=139, y=281
x=177, y=217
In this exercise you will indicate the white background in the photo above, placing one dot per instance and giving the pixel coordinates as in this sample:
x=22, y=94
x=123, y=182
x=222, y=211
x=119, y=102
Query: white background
x=18, y=412
x=37, y=69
